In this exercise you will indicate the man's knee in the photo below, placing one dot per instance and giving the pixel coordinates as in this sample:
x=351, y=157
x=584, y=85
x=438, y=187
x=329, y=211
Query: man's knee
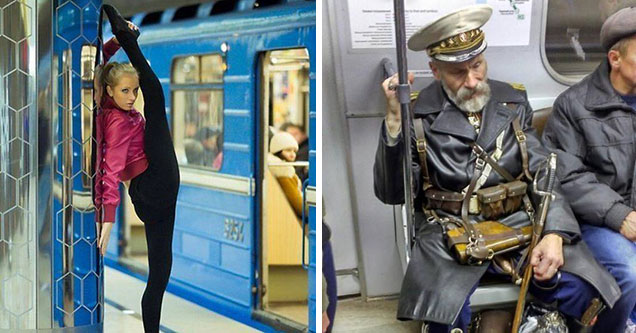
x=626, y=279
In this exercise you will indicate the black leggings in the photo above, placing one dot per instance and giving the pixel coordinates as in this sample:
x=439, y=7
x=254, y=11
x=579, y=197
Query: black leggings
x=154, y=192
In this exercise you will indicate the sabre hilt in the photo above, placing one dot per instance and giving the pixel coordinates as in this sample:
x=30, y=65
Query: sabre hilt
x=552, y=165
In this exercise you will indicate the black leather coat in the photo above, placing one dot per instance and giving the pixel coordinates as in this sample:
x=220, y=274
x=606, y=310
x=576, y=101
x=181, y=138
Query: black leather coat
x=436, y=286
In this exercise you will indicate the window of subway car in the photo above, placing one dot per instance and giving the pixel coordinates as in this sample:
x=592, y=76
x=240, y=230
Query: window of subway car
x=197, y=110
x=572, y=36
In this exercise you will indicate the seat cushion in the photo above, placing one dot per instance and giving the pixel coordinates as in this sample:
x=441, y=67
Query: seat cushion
x=539, y=117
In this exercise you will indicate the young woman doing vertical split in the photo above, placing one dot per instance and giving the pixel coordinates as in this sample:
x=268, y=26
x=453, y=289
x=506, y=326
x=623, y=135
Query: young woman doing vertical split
x=130, y=148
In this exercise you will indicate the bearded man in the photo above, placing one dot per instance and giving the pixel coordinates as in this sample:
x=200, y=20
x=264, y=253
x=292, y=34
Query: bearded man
x=459, y=119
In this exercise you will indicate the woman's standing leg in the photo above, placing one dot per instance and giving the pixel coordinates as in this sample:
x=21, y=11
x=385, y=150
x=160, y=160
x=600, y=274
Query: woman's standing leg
x=159, y=240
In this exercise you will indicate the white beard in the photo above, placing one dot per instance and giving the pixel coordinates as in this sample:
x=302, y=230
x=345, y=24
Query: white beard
x=474, y=104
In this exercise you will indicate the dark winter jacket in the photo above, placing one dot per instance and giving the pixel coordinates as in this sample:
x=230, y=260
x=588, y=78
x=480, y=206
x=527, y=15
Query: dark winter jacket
x=592, y=131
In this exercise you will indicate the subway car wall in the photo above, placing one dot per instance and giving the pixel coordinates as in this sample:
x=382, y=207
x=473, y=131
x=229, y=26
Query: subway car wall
x=554, y=45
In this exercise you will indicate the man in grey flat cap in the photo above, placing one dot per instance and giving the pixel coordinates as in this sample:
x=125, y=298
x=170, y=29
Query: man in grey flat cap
x=592, y=130
x=459, y=119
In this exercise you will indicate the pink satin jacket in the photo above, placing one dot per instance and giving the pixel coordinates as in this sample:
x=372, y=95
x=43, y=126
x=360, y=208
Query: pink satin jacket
x=120, y=151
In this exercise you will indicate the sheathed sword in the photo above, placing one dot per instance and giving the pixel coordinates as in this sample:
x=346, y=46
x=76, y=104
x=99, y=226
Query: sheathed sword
x=403, y=95
x=537, y=229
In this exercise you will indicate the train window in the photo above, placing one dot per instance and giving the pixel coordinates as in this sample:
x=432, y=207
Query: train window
x=223, y=6
x=290, y=87
x=186, y=12
x=572, y=44
x=187, y=70
x=152, y=18
x=212, y=68
x=197, y=99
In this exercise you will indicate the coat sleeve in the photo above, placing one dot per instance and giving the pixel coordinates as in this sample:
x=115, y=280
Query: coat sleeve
x=98, y=197
x=388, y=177
x=113, y=162
x=292, y=192
x=594, y=202
x=560, y=218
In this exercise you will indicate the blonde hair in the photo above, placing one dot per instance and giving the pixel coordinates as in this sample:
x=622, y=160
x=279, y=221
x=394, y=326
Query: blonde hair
x=109, y=74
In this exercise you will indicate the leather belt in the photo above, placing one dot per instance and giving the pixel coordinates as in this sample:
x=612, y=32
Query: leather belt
x=452, y=202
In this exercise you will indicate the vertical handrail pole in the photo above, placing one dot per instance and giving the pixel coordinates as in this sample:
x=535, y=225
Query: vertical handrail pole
x=403, y=95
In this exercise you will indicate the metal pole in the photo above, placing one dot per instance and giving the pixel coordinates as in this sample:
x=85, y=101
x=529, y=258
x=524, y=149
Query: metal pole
x=403, y=95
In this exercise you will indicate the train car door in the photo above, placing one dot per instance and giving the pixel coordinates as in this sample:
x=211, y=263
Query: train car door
x=286, y=283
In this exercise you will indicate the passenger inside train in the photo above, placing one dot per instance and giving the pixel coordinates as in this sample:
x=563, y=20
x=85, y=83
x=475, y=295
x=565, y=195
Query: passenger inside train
x=469, y=103
x=282, y=150
x=303, y=147
x=480, y=174
x=209, y=137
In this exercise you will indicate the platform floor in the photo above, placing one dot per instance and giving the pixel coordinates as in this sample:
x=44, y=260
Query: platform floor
x=296, y=311
x=354, y=315
x=123, y=310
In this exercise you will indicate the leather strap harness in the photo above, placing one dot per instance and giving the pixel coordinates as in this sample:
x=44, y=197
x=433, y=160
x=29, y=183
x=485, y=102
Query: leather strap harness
x=476, y=241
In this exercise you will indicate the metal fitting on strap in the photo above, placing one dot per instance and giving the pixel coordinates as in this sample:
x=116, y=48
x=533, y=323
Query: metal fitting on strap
x=478, y=150
x=421, y=145
x=480, y=163
x=521, y=136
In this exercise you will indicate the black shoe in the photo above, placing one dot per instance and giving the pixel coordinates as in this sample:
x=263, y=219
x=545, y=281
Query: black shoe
x=118, y=24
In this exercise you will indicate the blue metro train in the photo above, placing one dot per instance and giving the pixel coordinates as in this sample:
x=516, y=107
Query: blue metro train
x=231, y=70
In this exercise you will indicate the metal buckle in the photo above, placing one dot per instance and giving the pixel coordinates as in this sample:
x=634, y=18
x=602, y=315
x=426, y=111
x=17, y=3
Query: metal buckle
x=480, y=163
x=491, y=254
x=421, y=145
x=521, y=136
x=478, y=150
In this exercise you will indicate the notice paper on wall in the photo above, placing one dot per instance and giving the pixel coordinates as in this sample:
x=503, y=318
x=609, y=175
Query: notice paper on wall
x=371, y=22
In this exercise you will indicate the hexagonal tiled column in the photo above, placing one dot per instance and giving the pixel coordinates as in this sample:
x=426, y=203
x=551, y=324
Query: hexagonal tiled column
x=17, y=142
x=50, y=271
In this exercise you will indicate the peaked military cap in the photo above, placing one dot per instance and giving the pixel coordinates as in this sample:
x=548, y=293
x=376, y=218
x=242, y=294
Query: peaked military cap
x=455, y=37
